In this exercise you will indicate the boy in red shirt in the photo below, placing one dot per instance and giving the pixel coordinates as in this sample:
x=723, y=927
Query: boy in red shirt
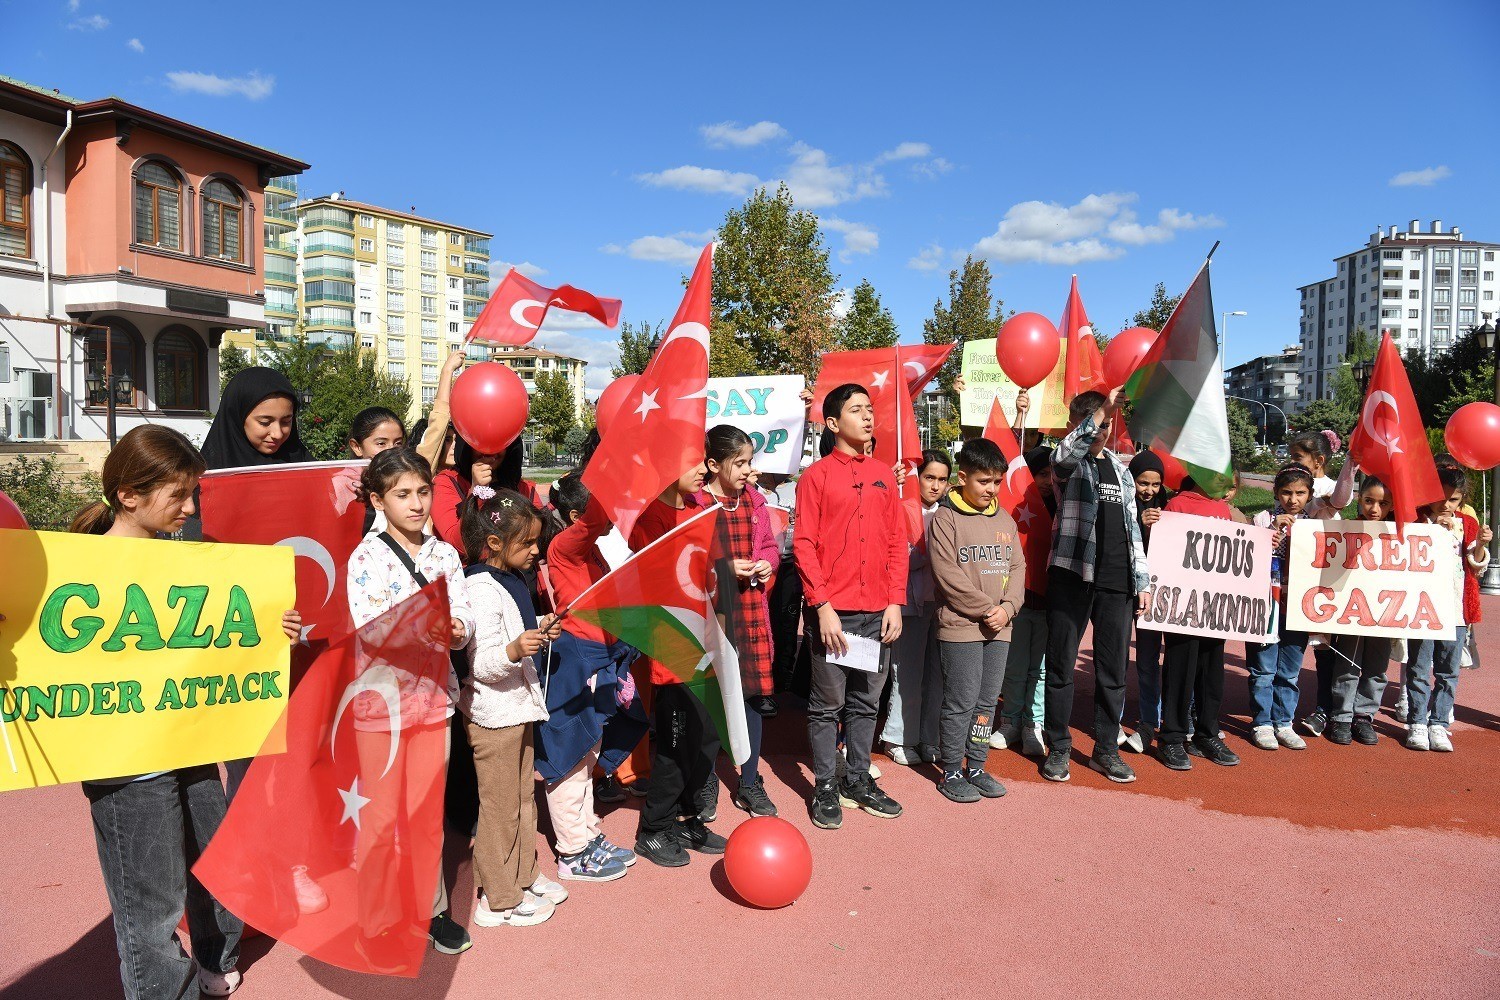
x=851, y=555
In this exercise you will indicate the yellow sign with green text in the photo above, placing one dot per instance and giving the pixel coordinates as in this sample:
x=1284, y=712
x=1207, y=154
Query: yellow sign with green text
x=123, y=656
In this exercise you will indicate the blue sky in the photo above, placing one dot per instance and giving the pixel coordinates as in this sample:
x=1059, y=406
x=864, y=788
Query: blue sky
x=600, y=147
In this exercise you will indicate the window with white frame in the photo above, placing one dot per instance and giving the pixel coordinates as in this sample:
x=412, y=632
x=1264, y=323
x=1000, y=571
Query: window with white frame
x=1413, y=313
x=452, y=327
x=395, y=231
x=1467, y=296
x=1468, y=276
x=366, y=245
x=454, y=282
x=429, y=373
x=1443, y=315
x=395, y=324
x=1466, y=317
x=366, y=221
x=1441, y=296
x=366, y=318
x=395, y=369
x=453, y=260
x=367, y=343
x=395, y=302
x=1468, y=256
x=395, y=348
x=429, y=395
x=429, y=260
x=429, y=238
x=429, y=329
x=394, y=277
x=395, y=253
x=429, y=283
x=429, y=304
x=366, y=293
x=456, y=239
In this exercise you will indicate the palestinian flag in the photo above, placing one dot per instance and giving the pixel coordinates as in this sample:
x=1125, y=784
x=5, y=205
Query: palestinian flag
x=660, y=601
x=1177, y=393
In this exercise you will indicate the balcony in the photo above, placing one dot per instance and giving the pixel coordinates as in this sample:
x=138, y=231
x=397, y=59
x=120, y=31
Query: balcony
x=339, y=268
x=316, y=245
x=477, y=289
x=475, y=267
x=280, y=275
x=330, y=339
x=328, y=323
x=324, y=217
x=472, y=310
x=474, y=245
x=287, y=184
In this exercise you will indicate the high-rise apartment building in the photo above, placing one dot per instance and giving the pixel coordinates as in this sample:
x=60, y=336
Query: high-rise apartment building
x=1272, y=381
x=530, y=362
x=1427, y=288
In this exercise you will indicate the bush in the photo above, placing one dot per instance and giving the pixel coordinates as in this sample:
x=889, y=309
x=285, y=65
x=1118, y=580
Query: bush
x=38, y=488
x=543, y=454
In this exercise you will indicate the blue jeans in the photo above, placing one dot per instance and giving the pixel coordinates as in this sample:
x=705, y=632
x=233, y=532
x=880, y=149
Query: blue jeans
x=911, y=717
x=1274, y=671
x=1430, y=701
x=149, y=834
x=1024, y=689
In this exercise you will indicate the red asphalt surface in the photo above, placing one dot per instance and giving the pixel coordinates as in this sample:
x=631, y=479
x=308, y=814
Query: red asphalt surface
x=1335, y=871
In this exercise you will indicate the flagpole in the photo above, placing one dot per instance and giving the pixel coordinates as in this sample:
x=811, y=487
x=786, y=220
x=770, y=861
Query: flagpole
x=900, y=373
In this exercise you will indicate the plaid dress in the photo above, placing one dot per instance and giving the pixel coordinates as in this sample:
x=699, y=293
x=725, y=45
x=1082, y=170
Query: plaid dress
x=745, y=532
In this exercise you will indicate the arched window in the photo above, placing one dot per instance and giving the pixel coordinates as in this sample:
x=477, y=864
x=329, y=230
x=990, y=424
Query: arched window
x=179, y=370
x=222, y=208
x=127, y=355
x=158, y=206
x=15, y=212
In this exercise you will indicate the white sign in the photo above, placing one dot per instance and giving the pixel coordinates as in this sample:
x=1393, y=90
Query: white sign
x=1209, y=577
x=769, y=408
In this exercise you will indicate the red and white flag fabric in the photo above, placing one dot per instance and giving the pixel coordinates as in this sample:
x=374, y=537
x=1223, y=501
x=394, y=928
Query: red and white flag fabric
x=657, y=432
x=519, y=306
x=311, y=508
x=1390, y=442
x=1083, y=367
x=1018, y=486
x=895, y=376
x=335, y=846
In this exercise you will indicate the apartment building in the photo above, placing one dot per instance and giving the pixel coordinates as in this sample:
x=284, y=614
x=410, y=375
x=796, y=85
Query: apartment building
x=529, y=362
x=1272, y=383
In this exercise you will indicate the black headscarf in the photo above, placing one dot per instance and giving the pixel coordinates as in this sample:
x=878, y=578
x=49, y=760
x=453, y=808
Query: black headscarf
x=226, y=446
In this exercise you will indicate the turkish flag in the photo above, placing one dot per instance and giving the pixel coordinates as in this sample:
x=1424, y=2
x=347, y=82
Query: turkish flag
x=519, y=306
x=894, y=376
x=664, y=416
x=1018, y=486
x=335, y=846
x=1390, y=443
x=311, y=508
x=1083, y=367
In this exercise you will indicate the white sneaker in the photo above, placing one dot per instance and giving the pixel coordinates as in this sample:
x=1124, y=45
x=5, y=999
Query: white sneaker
x=905, y=756
x=529, y=912
x=1437, y=739
x=1264, y=737
x=1135, y=742
x=310, y=896
x=1417, y=738
x=1400, y=710
x=552, y=892
x=1032, y=744
x=1288, y=738
x=1005, y=737
x=218, y=984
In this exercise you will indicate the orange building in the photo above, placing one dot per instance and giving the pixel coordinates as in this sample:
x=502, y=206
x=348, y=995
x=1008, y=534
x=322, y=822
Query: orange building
x=123, y=218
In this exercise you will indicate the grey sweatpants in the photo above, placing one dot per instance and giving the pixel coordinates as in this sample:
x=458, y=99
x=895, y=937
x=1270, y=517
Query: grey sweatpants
x=1359, y=686
x=972, y=675
x=854, y=694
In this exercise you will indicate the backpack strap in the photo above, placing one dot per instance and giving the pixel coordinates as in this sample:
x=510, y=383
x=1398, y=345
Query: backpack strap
x=406, y=559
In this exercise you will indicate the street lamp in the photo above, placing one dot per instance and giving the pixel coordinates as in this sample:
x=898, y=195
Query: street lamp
x=1224, y=335
x=1490, y=582
x=1362, y=371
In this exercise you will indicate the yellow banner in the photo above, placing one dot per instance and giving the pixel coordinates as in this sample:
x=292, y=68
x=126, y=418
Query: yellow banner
x=122, y=656
x=984, y=381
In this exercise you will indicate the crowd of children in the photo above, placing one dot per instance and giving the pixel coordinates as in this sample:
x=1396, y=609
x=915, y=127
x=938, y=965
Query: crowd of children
x=963, y=621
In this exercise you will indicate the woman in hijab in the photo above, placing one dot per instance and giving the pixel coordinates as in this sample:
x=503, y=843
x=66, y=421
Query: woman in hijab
x=1151, y=495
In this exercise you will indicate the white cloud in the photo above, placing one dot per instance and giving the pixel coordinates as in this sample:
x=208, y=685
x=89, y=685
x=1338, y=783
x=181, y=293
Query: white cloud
x=599, y=353
x=73, y=6
x=843, y=301
x=94, y=22
x=929, y=258
x=253, y=85
x=731, y=134
x=815, y=182
x=932, y=169
x=135, y=45
x=1426, y=177
x=1093, y=229
x=682, y=248
x=858, y=237
x=906, y=151
x=706, y=180
x=525, y=267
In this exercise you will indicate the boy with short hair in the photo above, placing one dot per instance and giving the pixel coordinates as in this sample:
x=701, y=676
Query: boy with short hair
x=1097, y=574
x=980, y=572
x=851, y=554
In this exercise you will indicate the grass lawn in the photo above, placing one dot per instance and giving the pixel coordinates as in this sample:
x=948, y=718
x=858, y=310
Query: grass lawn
x=547, y=476
x=1252, y=500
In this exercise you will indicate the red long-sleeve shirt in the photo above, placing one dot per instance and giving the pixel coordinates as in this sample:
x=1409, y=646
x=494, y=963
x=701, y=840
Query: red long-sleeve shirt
x=851, y=534
x=449, y=489
x=574, y=564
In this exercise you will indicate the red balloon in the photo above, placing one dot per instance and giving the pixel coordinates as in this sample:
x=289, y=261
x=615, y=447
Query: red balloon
x=489, y=407
x=10, y=514
x=1126, y=350
x=610, y=399
x=1027, y=348
x=1473, y=435
x=1173, y=472
x=768, y=862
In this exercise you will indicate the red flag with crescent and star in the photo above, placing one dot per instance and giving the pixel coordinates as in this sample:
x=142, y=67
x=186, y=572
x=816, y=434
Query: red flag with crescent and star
x=519, y=306
x=1390, y=442
x=334, y=847
x=1017, y=485
x=313, y=509
x=1083, y=367
x=897, y=436
x=657, y=433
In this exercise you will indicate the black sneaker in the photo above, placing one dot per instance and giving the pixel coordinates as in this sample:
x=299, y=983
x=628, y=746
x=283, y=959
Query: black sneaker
x=763, y=705
x=609, y=790
x=1339, y=732
x=1363, y=732
x=1112, y=767
x=753, y=798
x=956, y=788
x=1175, y=756
x=1316, y=722
x=824, y=809
x=707, y=800
x=1212, y=748
x=1055, y=767
x=661, y=848
x=695, y=835
x=865, y=794
x=447, y=937
x=985, y=782
x=639, y=787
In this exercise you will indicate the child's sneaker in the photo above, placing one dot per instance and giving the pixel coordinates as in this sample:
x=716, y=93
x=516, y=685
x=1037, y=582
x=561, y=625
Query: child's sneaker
x=865, y=794
x=985, y=782
x=1112, y=767
x=529, y=912
x=825, y=809
x=707, y=799
x=1399, y=712
x=1341, y=733
x=608, y=790
x=1288, y=738
x=1264, y=737
x=218, y=984
x=624, y=855
x=1437, y=739
x=1416, y=738
x=694, y=834
x=1315, y=723
x=753, y=798
x=1055, y=767
x=956, y=788
x=310, y=896
x=1032, y=744
x=1007, y=736
x=447, y=937
x=591, y=864
x=1136, y=742
x=662, y=848
x=1363, y=731
x=905, y=756
x=549, y=890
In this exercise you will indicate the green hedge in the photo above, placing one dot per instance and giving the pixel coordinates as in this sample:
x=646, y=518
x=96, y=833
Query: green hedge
x=38, y=488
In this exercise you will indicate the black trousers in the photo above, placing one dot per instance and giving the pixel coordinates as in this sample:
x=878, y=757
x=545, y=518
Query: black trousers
x=1325, y=665
x=1071, y=606
x=1192, y=682
x=785, y=606
x=684, y=748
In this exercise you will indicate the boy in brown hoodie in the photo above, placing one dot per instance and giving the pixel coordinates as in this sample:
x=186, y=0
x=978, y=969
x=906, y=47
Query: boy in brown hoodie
x=980, y=572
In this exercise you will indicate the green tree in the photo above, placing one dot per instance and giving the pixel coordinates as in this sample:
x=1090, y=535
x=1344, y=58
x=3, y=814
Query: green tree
x=1325, y=413
x=969, y=314
x=574, y=441
x=1244, y=452
x=773, y=289
x=552, y=407
x=637, y=344
x=232, y=361
x=342, y=381
x=868, y=324
x=1155, y=315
